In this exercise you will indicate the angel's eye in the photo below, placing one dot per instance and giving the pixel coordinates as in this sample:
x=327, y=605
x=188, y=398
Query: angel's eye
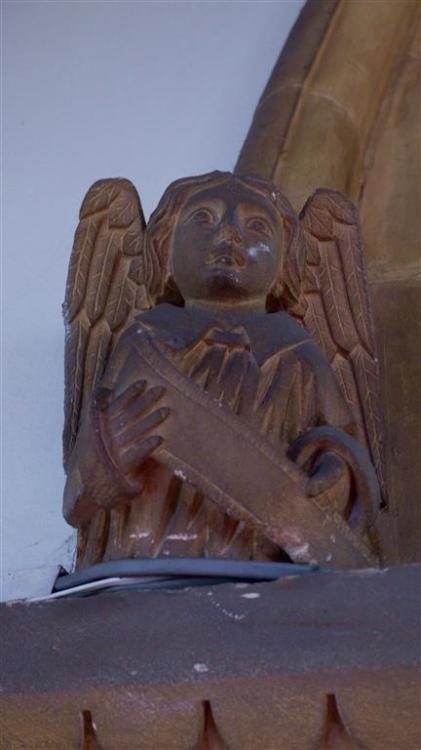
x=259, y=225
x=202, y=216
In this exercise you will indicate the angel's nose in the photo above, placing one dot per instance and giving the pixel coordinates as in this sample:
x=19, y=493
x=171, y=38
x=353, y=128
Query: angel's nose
x=228, y=232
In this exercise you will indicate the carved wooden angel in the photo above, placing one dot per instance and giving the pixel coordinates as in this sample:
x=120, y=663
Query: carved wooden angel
x=221, y=377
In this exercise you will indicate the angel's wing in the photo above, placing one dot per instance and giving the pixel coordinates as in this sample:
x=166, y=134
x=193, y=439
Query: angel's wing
x=337, y=311
x=106, y=286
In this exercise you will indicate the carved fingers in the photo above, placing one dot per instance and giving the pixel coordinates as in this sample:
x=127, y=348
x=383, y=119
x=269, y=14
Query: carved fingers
x=128, y=424
x=326, y=472
x=340, y=466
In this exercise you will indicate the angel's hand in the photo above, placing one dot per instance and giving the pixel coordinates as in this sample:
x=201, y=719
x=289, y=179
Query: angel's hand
x=126, y=425
x=327, y=471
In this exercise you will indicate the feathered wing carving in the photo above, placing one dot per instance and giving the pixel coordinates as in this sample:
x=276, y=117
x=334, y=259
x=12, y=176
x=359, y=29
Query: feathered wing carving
x=106, y=286
x=337, y=311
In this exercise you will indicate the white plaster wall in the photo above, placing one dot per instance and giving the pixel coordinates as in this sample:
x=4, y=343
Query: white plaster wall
x=151, y=91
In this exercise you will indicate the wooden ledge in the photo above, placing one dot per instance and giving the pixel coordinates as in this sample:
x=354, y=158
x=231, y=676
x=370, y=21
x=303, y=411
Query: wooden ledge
x=259, y=666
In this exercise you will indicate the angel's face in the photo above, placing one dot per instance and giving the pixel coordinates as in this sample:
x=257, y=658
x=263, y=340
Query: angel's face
x=227, y=246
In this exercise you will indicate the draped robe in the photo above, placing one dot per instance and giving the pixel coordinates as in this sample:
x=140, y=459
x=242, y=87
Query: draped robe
x=291, y=391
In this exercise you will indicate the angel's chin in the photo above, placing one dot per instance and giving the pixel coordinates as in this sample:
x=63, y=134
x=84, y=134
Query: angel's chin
x=226, y=283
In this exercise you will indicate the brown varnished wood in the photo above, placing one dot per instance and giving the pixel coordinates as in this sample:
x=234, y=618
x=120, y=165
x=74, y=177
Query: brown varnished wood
x=145, y=663
x=250, y=383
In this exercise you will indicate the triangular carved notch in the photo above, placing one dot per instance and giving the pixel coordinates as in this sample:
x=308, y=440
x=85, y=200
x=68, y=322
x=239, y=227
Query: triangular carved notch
x=335, y=736
x=89, y=736
x=210, y=738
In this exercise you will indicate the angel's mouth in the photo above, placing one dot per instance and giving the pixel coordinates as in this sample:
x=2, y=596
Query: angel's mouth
x=226, y=259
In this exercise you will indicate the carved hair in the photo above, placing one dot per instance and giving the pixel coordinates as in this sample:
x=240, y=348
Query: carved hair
x=162, y=224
